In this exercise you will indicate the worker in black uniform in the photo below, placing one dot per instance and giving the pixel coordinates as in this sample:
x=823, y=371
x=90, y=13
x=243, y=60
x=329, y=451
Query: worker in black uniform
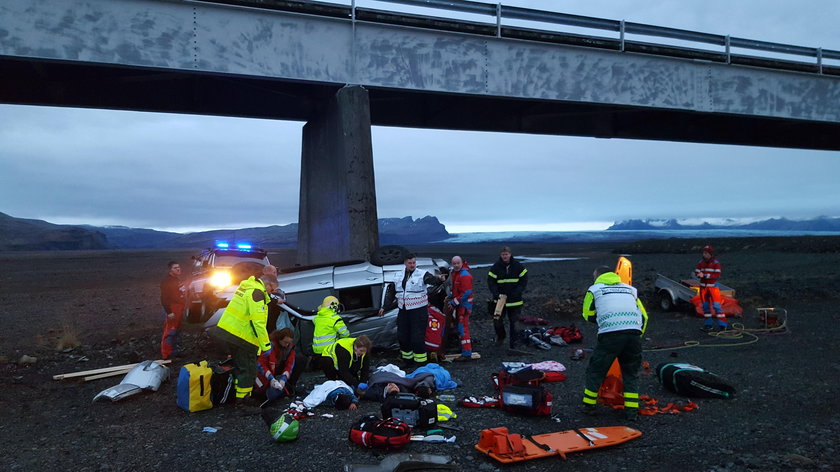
x=507, y=277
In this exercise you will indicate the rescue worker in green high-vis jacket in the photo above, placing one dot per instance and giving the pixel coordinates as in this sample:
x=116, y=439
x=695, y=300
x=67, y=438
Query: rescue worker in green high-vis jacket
x=329, y=327
x=621, y=318
x=241, y=330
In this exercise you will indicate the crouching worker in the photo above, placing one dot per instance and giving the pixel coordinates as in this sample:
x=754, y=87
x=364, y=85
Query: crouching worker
x=621, y=320
x=347, y=360
x=332, y=393
x=241, y=331
x=274, y=371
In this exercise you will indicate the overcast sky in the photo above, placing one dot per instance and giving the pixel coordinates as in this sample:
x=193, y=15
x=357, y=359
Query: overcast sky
x=168, y=171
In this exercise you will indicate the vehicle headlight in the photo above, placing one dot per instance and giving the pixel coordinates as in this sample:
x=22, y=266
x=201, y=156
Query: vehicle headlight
x=220, y=279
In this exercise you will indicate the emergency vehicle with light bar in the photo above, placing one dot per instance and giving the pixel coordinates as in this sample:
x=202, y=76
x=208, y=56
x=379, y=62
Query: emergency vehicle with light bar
x=217, y=269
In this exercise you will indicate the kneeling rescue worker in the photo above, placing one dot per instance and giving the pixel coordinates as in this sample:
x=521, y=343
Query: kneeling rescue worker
x=329, y=327
x=241, y=330
x=347, y=360
x=621, y=320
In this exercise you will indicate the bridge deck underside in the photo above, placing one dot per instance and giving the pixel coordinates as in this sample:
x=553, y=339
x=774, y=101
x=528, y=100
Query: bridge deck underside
x=51, y=83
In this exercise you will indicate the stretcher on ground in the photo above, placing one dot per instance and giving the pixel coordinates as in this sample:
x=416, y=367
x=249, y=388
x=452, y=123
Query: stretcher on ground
x=507, y=447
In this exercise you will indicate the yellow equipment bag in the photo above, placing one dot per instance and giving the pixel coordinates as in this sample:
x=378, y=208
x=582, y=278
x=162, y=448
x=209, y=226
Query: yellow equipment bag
x=194, y=387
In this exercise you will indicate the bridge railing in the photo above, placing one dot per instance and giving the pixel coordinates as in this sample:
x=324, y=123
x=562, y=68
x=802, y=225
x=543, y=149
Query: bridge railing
x=505, y=21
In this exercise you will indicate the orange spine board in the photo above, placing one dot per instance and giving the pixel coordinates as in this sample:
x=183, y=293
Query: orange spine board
x=499, y=444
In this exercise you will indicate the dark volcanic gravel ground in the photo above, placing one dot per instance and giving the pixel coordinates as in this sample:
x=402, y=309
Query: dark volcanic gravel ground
x=785, y=416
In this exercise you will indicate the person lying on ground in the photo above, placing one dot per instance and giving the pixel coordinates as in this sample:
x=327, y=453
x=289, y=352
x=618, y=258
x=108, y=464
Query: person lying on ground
x=332, y=393
x=384, y=383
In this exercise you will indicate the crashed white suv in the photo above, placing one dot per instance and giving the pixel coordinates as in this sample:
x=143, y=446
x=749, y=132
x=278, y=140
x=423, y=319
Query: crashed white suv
x=359, y=288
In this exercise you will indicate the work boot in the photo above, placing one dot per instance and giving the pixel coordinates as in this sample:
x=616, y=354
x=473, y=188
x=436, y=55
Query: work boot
x=723, y=327
x=587, y=409
x=247, y=406
x=708, y=326
x=631, y=414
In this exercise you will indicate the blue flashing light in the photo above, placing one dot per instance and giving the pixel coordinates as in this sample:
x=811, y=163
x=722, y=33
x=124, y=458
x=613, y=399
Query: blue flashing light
x=222, y=245
x=244, y=247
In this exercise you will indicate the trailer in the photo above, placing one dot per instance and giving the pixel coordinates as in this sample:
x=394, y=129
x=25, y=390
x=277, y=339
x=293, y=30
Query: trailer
x=672, y=293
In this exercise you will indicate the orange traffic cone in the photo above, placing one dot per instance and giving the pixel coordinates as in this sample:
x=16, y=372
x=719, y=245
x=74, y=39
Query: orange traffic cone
x=612, y=388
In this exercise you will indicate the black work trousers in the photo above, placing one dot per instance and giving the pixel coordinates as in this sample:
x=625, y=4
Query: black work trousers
x=244, y=355
x=626, y=346
x=512, y=314
x=411, y=333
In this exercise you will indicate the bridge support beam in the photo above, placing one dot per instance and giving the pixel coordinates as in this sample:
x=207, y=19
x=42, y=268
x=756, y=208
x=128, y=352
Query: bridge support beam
x=337, y=219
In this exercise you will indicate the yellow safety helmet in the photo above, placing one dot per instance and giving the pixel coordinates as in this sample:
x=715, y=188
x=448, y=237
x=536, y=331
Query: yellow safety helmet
x=330, y=302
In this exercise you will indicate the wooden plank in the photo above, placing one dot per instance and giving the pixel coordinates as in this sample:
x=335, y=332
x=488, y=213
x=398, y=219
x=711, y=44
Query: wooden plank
x=107, y=374
x=102, y=370
x=452, y=357
x=500, y=305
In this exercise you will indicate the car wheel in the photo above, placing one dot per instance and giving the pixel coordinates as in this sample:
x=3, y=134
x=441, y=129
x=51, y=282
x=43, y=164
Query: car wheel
x=208, y=309
x=195, y=314
x=387, y=255
x=665, y=301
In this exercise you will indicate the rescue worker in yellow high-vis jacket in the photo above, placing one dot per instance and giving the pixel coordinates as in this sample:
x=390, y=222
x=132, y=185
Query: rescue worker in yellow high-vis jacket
x=241, y=330
x=621, y=319
x=347, y=360
x=329, y=327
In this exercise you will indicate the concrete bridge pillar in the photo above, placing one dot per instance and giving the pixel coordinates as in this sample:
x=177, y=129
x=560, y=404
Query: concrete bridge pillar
x=337, y=219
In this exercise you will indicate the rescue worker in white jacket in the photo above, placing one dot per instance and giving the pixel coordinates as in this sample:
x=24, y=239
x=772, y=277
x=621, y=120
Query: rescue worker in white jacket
x=409, y=290
x=621, y=319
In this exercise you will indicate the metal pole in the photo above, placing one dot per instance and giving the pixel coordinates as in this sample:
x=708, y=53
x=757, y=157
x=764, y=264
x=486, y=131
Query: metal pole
x=353, y=65
x=621, y=34
x=728, y=52
x=498, y=20
x=819, y=60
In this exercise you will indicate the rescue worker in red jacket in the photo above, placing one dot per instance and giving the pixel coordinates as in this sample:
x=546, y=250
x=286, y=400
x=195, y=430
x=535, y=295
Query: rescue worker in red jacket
x=462, y=302
x=708, y=271
x=241, y=331
x=172, y=301
x=275, y=370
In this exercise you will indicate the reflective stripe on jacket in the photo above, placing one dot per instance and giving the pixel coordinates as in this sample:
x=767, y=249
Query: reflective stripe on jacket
x=615, y=306
x=508, y=279
x=708, y=272
x=329, y=328
x=413, y=295
x=246, y=315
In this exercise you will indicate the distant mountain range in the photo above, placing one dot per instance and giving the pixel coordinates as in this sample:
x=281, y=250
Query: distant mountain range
x=37, y=235
x=822, y=223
